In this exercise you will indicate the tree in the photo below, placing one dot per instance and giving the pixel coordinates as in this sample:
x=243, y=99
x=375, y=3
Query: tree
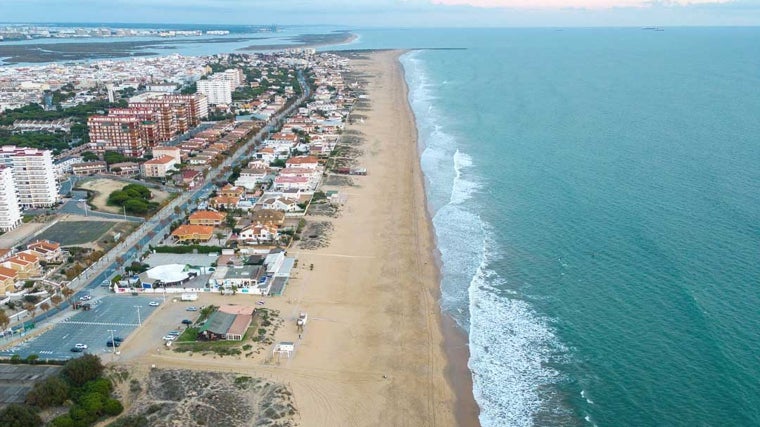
x=19, y=416
x=4, y=320
x=82, y=369
x=31, y=308
x=52, y=392
x=56, y=299
x=89, y=156
x=45, y=307
x=219, y=237
x=67, y=292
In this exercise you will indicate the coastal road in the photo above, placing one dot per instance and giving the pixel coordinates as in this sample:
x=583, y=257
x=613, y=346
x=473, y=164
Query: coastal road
x=151, y=232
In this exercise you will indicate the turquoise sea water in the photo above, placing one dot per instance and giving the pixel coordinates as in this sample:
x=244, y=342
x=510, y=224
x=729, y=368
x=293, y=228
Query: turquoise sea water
x=596, y=197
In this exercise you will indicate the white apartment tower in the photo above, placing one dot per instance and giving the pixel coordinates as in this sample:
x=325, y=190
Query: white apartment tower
x=33, y=174
x=218, y=91
x=10, y=212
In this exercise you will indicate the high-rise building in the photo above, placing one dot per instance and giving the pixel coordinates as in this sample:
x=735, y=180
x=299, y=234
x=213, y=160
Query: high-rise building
x=33, y=175
x=151, y=118
x=117, y=133
x=218, y=91
x=10, y=212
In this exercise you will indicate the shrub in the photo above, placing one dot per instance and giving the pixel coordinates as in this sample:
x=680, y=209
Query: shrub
x=51, y=392
x=81, y=370
x=19, y=416
x=112, y=407
x=63, y=421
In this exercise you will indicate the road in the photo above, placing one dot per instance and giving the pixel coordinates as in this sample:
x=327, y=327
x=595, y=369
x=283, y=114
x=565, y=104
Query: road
x=152, y=231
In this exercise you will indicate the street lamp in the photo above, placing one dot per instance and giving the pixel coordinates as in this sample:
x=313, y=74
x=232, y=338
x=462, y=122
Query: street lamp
x=113, y=343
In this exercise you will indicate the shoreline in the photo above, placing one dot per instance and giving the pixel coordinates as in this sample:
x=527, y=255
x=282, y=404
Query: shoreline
x=455, y=340
x=307, y=41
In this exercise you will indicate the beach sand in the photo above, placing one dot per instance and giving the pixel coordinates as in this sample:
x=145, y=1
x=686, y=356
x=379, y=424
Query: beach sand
x=376, y=333
x=374, y=351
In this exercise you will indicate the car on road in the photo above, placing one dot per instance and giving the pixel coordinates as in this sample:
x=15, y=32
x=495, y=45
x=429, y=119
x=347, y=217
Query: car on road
x=191, y=308
x=76, y=350
x=170, y=337
x=118, y=339
x=80, y=346
x=85, y=297
x=154, y=303
x=187, y=322
x=113, y=343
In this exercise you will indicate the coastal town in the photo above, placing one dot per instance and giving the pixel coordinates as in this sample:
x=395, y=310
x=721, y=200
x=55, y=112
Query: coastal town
x=195, y=181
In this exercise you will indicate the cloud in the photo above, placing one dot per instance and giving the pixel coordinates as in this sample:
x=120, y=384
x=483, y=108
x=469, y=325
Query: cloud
x=572, y=4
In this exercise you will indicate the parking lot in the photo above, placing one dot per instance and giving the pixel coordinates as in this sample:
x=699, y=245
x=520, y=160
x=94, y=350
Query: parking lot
x=93, y=328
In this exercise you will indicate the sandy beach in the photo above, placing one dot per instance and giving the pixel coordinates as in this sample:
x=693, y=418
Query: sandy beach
x=375, y=349
x=373, y=292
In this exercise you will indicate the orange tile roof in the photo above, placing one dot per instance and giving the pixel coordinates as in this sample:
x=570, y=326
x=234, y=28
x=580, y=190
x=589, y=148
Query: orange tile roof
x=161, y=160
x=6, y=272
x=207, y=215
x=189, y=229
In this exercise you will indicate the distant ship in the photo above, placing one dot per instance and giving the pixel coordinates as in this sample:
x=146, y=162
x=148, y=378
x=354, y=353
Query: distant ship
x=653, y=28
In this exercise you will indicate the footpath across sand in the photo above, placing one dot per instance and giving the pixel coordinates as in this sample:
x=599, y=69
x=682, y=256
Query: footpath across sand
x=373, y=350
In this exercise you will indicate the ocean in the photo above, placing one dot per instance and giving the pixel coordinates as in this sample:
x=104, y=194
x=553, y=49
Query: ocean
x=596, y=200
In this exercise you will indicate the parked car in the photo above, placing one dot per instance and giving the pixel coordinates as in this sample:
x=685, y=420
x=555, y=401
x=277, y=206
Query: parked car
x=175, y=333
x=170, y=337
x=191, y=308
x=187, y=322
x=76, y=350
x=85, y=297
x=118, y=339
x=82, y=346
x=113, y=343
x=154, y=303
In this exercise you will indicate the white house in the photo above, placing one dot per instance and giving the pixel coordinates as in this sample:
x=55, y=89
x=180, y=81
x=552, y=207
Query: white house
x=280, y=204
x=258, y=233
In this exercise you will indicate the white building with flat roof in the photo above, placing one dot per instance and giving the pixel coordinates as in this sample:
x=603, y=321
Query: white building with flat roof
x=10, y=212
x=34, y=175
x=218, y=91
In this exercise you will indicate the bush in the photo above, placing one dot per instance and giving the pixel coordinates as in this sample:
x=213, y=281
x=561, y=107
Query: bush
x=19, y=416
x=81, y=370
x=51, y=392
x=187, y=249
x=63, y=421
x=92, y=403
x=112, y=407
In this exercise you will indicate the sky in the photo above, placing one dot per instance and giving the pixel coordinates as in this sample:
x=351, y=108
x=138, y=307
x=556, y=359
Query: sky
x=392, y=13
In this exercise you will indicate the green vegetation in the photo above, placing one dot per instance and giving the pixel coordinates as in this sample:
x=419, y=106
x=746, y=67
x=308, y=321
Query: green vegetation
x=135, y=198
x=81, y=386
x=53, y=141
x=19, y=416
x=187, y=249
x=89, y=156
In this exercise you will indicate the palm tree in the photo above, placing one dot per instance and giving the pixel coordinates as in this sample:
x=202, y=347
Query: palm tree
x=219, y=237
x=45, y=307
x=56, y=299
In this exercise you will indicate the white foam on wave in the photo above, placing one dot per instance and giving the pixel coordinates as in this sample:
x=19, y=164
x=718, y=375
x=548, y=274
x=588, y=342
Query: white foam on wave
x=511, y=348
x=510, y=344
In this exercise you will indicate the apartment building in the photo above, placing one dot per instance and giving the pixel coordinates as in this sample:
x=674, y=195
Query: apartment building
x=157, y=168
x=218, y=91
x=10, y=213
x=117, y=133
x=33, y=174
x=168, y=151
